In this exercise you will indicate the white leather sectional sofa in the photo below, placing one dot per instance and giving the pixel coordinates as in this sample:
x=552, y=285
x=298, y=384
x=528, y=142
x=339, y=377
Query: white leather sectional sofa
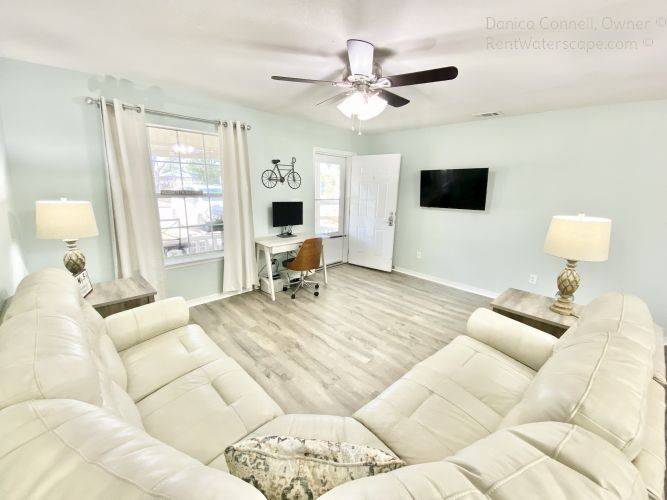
x=142, y=404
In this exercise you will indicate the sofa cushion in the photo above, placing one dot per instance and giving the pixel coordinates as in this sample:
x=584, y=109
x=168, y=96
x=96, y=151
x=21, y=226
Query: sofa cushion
x=599, y=374
x=53, y=344
x=156, y=362
x=291, y=467
x=57, y=291
x=206, y=410
x=541, y=460
x=446, y=402
x=65, y=449
x=45, y=354
x=326, y=427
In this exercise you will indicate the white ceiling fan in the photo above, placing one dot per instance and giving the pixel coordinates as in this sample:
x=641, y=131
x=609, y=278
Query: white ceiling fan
x=366, y=94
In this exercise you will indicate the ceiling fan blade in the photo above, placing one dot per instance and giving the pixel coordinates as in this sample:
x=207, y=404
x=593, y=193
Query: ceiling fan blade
x=334, y=99
x=304, y=80
x=360, y=55
x=392, y=99
x=427, y=76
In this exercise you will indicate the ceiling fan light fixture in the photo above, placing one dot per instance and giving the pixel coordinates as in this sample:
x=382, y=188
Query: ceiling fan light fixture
x=362, y=105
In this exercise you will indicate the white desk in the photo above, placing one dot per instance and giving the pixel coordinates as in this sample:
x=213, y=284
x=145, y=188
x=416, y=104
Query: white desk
x=272, y=245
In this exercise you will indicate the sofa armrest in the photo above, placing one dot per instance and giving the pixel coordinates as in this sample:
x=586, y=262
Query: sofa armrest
x=133, y=326
x=526, y=344
x=62, y=448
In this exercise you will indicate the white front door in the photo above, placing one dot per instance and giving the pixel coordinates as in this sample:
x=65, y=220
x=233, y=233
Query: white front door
x=373, y=198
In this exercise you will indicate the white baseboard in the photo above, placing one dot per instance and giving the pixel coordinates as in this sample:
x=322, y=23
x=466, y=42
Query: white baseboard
x=210, y=298
x=452, y=284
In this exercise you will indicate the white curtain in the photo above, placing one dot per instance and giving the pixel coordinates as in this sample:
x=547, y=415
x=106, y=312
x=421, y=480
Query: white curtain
x=240, y=270
x=133, y=211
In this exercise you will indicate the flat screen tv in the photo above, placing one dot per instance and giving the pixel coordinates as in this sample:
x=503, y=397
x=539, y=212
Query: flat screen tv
x=463, y=188
x=287, y=213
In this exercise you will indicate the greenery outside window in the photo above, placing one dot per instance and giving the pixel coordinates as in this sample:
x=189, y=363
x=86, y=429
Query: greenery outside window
x=187, y=173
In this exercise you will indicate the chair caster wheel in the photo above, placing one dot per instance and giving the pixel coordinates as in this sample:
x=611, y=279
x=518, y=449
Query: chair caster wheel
x=284, y=289
x=316, y=294
x=317, y=285
x=294, y=296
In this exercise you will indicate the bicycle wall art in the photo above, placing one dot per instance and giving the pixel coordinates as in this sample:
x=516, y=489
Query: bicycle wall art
x=271, y=176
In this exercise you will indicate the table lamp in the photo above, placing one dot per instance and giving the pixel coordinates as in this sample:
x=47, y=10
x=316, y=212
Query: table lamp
x=66, y=220
x=575, y=238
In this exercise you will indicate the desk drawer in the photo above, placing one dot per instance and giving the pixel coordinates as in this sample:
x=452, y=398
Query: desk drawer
x=287, y=247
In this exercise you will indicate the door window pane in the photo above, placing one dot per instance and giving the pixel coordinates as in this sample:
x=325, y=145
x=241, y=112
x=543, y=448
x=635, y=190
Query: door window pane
x=329, y=181
x=329, y=193
x=328, y=216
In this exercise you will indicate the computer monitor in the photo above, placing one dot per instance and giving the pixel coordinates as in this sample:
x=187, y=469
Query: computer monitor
x=287, y=214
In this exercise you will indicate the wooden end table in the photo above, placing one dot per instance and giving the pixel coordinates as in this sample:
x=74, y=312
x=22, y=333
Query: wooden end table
x=110, y=297
x=533, y=310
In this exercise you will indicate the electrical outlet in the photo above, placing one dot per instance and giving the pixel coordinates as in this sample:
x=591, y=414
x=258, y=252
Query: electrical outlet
x=419, y=254
x=532, y=279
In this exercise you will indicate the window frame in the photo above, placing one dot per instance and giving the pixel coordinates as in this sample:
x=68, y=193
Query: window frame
x=189, y=259
x=343, y=194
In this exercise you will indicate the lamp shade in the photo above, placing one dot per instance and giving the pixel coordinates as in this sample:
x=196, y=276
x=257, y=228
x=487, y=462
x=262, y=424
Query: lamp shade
x=65, y=219
x=578, y=237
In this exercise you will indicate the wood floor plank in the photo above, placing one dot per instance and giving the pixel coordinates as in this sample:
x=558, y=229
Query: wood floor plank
x=334, y=353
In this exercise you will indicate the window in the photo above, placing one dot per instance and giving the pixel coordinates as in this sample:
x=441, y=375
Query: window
x=329, y=193
x=188, y=185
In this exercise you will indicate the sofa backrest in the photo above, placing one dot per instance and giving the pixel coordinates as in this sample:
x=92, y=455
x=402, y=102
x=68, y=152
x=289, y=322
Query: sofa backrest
x=533, y=461
x=598, y=376
x=53, y=344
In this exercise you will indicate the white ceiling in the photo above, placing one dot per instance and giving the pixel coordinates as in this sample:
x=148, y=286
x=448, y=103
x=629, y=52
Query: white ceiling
x=229, y=48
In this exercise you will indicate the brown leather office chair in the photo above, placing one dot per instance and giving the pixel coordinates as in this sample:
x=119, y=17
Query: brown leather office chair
x=307, y=260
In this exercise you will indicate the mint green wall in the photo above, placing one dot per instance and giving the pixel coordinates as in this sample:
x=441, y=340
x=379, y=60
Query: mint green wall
x=12, y=268
x=607, y=161
x=54, y=149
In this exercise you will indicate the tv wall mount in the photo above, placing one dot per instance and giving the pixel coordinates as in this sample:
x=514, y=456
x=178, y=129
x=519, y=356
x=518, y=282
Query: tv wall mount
x=271, y=177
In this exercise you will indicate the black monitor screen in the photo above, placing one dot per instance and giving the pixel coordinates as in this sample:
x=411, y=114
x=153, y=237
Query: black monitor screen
x=457, y=188
x=287, y=213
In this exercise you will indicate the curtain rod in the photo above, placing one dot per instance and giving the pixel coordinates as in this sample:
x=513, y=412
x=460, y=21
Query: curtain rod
x=95, y=100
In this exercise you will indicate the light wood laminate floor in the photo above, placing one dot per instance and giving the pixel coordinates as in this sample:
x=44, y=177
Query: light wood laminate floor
x=333, y=353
